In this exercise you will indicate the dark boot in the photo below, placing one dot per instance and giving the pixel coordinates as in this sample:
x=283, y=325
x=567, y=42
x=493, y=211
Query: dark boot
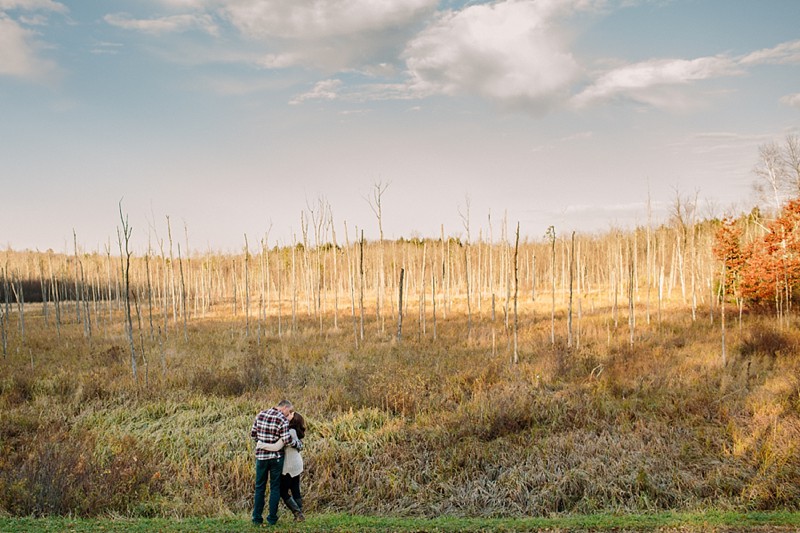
x=295, y=509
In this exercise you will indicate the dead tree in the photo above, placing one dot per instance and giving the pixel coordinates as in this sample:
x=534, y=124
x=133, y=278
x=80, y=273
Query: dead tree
x=516, y=296
x=149, y=291
x=433, y=297
x=722, y=315
x=361, y=284
x=465, y=222
x=183, y=295
x=400, y=306
x=376, y=204
x=571, y=277
x=4, y=314
x=246, y=288
x=551, y=235
x=43, y=288
x=351, y=274
x=19, y=297
x=56, y=296
x=172, y=274
x=77, y=277
x=125, y=260
x=631, y=285
x=422, y=292
x=335, y=252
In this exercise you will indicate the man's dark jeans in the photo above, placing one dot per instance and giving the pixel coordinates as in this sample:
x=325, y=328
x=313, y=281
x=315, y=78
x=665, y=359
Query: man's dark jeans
x=267, y=469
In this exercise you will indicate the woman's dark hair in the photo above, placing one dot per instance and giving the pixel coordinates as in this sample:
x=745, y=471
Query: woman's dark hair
x=298, y=424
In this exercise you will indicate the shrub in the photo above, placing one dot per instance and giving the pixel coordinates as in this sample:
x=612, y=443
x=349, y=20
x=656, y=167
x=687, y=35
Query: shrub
x=64, y=474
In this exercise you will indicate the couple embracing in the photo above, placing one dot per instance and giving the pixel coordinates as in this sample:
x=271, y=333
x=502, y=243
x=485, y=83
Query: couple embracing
x=278, y=432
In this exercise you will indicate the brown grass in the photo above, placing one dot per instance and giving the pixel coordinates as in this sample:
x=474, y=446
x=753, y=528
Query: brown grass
x=419, y=428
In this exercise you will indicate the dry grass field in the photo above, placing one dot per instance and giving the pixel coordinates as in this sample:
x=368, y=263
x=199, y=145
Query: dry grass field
x=568, y=376
x=415, y=427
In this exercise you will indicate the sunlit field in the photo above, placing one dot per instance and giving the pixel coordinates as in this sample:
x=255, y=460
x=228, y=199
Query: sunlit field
x=625, y=400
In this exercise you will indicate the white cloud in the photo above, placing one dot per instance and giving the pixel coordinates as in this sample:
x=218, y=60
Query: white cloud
x=33, y=5
x=322, y=19
x=784, y=53
x=168, y=24
x=792, y=100
x=509, y=52
x=335, y=89
x=323, y=90
x=18, y=53
x=19, y=46
x=328, y=34
x=644, y=81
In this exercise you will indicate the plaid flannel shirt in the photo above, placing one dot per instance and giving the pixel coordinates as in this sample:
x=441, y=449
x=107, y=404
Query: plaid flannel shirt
x=269, y=426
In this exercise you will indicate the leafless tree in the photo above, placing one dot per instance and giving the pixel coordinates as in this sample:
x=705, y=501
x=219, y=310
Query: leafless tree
x=125, y=259
x=516, y=295
x=571, y=279
x=4, y=314
x=400, y=306
x=467, y=266
x=778, y=172
x=183, y=295
x=246, y=287
x=551, y=236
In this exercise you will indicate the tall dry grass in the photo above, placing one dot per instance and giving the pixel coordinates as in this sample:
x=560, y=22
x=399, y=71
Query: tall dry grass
x=420, y=427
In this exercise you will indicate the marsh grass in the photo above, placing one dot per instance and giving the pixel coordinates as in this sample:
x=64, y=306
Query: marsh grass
x=414, y=429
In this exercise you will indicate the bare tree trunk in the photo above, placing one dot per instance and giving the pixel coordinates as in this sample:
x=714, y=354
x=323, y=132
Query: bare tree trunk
x=183, y=295
x=443, y=284
x=246, y=288
x=172, y=275
x=4, y=315
x=164, y=301
x=433, y=298
x=631, y=308
x=516, y=294
x=400, y=306
x=262, y=313
x=77, y=277
x=551, y=234
x=141, y=339
x=87, y=320
x=43, y=288
x=19, y=297
x=581, y=288
x=335, y=251
x=571, y=276
x=235, y=287
x=466, y=279
x=492, y=284
x=125, y=260
x=149, y=293
x=280, y=298
x=465, y=222
x=56, y=300
x=361, y=284
x=351, y=274
x=647, y=259
x=722, y=316
x=422, y=331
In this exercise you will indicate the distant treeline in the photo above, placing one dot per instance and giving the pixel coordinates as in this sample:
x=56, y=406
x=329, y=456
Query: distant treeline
x=34, y=290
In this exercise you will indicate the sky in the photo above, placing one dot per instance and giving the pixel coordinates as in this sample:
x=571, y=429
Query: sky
x=241, y=118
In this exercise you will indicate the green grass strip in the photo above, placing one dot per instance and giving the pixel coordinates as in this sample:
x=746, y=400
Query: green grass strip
x=708, y=521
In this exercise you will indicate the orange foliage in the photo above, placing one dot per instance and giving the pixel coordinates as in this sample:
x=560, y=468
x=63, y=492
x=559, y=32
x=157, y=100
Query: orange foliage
x=771, y=265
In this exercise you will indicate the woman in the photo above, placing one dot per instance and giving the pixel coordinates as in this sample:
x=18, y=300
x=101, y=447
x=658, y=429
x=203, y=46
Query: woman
x=292, y=466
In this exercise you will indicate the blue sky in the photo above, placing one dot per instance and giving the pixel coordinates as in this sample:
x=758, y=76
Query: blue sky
x=233, y=116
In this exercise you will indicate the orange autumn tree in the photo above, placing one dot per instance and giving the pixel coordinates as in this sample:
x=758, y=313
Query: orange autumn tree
x=728, y=249
x=768, y=269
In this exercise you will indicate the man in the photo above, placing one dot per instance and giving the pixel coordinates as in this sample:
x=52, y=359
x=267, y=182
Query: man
x=269, y=426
